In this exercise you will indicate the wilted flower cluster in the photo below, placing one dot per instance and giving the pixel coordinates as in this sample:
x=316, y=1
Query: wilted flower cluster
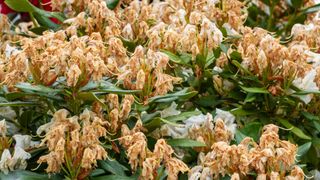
x=73, y=142
x=118, y=115
x=135, y=143
x=271, y=158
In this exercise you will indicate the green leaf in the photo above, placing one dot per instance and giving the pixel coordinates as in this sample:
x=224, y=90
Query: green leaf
x=252, y=130
x=46, y=22
x=183, y=116
x=239, y=66
x=208, y=101
x=20, y=5
x=108, y=87
x=97, y=172
x=239, y=136
x=185, y=143
x=18, y=103
x=236, y=56
x=25, y=118
x=91, y=85
x=210, y=59
x=302, y=150
x=255, y=90
x=27, y=175
x=250, y=98
x=117, y=177
x=294, y=129
x=113, y=166
x=316, y=125
x=153, y=124
x=310, y=116
x=242, y=112
x=295, y=3
x=38, y=30
x=174, y=58
x=145, y=117
x=224, y=48
x=26, y=6
x=315, y=119
x=130, y=45
x=40, y=90
x=111, y=4
x=15, y=95
x=117, y=91
x=161, y=173
x=186, y=58
x=311, y=9
x=157, y=122
x=90, y=96
x=114, y=177
x=27, y=87
x=302, y=92
x=226, y=177
x=201, y=60
x=184, y=94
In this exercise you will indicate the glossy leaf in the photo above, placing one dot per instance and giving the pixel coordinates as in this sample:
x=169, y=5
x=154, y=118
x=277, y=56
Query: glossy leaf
x=97, y=172
x=27, y=87
x=184, y=94
x=117, y=177
x=174, y=58
x=18, y=103
x=183, y=116
x=185, y=143
x=114, y=177
x=239, y=136
x=27, y=175
x=39, y=30
x=113, y=166
x=46, y=22
x=26, y=6
x=310, y=116
x=252, y=130
x=311, y=9
x=108, y=87
x=302, y=150
x=294, y=129
x=255, y=90
x=111, y=4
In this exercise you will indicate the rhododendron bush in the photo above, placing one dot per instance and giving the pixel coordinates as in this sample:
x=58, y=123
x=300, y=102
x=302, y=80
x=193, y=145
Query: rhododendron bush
x=160, y=89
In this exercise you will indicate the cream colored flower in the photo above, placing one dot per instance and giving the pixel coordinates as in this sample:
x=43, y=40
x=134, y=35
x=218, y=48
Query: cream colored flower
x=307, y=84
x=170, y=111
x=17, y=161
x=19, y=158
x=22, y=141
x=5, y=161
x=3, y=128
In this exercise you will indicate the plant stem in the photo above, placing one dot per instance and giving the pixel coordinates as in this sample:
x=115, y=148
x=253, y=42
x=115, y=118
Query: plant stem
x=35, y=23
